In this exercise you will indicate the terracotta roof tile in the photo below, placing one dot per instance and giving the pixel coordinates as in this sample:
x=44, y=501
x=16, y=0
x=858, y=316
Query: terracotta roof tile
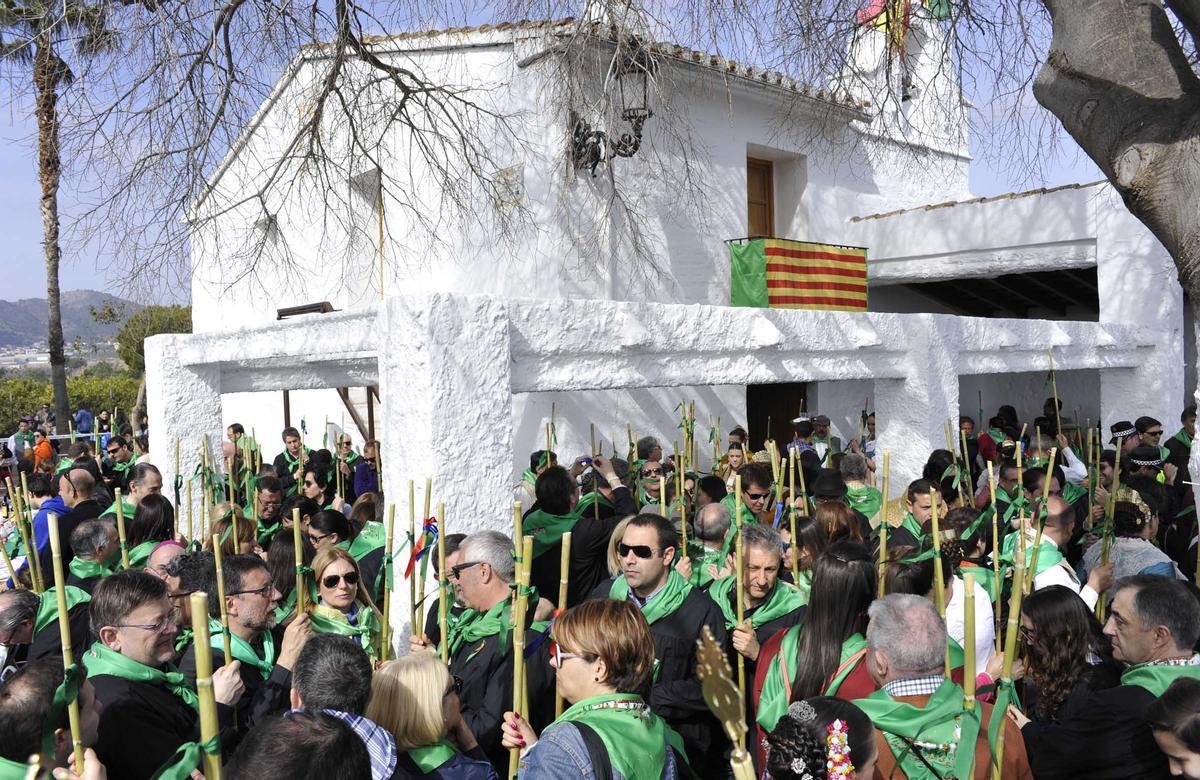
x=985, y=199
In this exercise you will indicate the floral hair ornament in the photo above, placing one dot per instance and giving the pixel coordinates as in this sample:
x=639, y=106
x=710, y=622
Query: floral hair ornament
x=837, y=752
x=798, y=766
x=801, y=712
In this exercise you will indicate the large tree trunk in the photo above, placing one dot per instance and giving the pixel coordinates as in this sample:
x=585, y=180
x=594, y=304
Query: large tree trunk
x=46, y=76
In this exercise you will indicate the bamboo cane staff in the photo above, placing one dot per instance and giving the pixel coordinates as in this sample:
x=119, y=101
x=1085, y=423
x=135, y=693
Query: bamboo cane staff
x=564, y=568
x=191, y=535
x=35, y=558
x=803, y=488
x=233, y=518
x=30, y=555
x=692, y=434
x=518, y=643
x=385, y=636
x=949, y=436
x=966, y=458
x=995, y=553
x=121, y=529
x=64, y=632
x=741, y=617
x=783, y=465
x=216, y=541
x=595, y=477
x=12, y=570
x=204, y=685
x=794, y=547
x=680, y=479
x=1020, y=493
x=442, y=611
x=1090, y=478
x=1037, y=539
x=1102, y=602
x=1010, y=653
x=969, y=641
x=229, y=480
x=419, y=576
x=662, y=495
x=177, y=474
x=548, y=440
x=717, y=445
x=412, y=540
x=1054, y=387
x=884, y=526
x=298, y=546
x=939, y=591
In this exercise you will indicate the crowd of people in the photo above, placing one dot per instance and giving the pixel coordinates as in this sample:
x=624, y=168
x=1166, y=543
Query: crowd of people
x=1026, y=609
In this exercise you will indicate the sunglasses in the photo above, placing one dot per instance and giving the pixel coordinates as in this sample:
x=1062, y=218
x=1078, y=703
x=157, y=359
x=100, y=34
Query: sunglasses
x=652, y=473
x=457, y=570
x=640, y=550
x=1154, y=433
x=113, y=452
x=331, y=580
x=757, y=496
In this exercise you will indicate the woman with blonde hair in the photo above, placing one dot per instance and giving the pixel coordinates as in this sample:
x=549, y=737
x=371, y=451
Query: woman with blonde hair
x=416, y=699
x=614, y=557
x=343, y=605
x=603, y=654
x=222, y=528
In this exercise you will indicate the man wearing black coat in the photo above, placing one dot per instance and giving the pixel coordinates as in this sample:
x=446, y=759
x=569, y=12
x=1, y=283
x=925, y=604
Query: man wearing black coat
x=29, y=625
x=75, y=488
x=677, y=613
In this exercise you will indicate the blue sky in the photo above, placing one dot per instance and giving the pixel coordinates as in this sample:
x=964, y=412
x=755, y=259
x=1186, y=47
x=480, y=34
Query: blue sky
x=23, y=270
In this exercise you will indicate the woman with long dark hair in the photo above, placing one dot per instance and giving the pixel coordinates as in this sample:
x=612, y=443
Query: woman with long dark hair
x=824, y=655
x=800, y=746
x=1084, y=723
x=153, y=521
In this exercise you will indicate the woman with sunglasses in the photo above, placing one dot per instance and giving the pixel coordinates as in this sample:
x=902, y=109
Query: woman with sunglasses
x=329, y=528
x=603, y=654
x=416, y=699
x=343, y=605
x=1079, y=721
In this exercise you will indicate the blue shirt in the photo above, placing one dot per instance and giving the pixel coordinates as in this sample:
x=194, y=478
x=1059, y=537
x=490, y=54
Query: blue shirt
x=83, y=421
x=561, y=752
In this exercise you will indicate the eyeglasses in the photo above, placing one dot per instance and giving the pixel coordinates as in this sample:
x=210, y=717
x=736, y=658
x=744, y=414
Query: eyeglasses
x=457, y=570
x=640, y=550
x=756, y=496
x=265, y=590
x=161, y=626
x=331, y=580
x=317, y=539
x=183, y=594
x=309, y=483
x=559, y=655
x=652, y=473
x=455, y=686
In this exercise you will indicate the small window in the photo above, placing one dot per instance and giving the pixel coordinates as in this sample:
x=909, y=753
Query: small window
x=760, y=197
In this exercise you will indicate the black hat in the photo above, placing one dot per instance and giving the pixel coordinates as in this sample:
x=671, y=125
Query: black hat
x=1123, y=429
x=1144, y=456
x=828, y=484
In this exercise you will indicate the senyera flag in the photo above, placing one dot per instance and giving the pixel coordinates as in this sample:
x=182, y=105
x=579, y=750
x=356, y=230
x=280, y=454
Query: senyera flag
x=785, y=274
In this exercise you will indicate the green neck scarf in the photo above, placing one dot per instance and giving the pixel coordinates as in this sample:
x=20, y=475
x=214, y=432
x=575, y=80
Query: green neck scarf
x=1048, y=553
x=777, y=686
x=910, y=524
x=1072, y=492
x=472, y=626
x=547, y=529
x=127, y=509
x=1157, y=677
x=701, y=576
x=430, y=757
x=1182, y=437
x=266, y=532
x=586, y=501
x=242, y=650
x=943, y=730
x=664, y=603
x=139, y=555
x=634, y=737
x=327, y=620
x=804, y=584
x=11, y=770
x=183, y=639
x=286, y=607
x=372, y=537
x=782, y=600
x=865, y=499
x=85, y=570
x=101, y=660
x=997, y=436
x=294, y=462
x=187, y=758
x=47, y=611
x=528, y=477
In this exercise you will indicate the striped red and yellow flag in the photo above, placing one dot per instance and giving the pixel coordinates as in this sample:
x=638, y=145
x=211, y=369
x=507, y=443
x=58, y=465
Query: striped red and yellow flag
x=787, y=274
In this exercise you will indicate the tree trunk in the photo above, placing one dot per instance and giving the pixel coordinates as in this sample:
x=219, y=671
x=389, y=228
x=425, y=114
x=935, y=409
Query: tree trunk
x=46, y=76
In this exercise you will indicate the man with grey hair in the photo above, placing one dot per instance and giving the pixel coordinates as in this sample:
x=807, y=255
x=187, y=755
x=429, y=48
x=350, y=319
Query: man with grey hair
x=97, y=551
x=710, y=529
x=480, y=642
x=29, y=625
x=918, y=712
x=769, y=605
x=862, y=498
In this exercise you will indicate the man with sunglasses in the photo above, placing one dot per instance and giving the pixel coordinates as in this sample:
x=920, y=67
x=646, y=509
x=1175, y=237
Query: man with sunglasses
x=147, y=707
x=650, y=475
x=116, y=462
x=266, y=652
x=756, y=494
x=677, y=613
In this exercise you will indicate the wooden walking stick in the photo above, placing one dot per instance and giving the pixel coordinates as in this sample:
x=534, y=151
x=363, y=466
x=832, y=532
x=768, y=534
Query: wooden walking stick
x=939, y=590
x=884, y=526
x=299, y=549
x=518, y=642
x=1037, y=539
x=794, y=548
x=564, y=577
x=1102, y=602
x=741, y=616
x=385, y=636
x=64, y=633
x=995, y=554
x=204, y=685
x=443, y=619
x=1010, y=653
x=221, y=595
x=121, y=529
x=969, y=641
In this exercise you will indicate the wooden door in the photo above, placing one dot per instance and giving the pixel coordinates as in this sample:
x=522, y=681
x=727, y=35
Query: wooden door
x=774, y=405
x=760, y=197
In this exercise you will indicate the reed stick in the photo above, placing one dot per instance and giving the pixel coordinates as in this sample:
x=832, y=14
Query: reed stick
x=64, y=634
x=209, y=727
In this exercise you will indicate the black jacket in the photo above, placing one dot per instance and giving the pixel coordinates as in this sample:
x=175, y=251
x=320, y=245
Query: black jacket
x=287, y=476
x=762, y=633
x=84, y=510
x=472, y=765
x=262, y=699
x=142, y=725
x=676, y=695
x=48, y=641
x=1098, y=733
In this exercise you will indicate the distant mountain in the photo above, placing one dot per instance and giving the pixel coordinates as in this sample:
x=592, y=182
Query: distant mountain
x=23, y=322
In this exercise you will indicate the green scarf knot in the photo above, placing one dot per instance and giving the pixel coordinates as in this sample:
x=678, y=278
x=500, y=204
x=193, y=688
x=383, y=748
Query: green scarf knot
x=782, y=600
x=943, y=730
x=634, y=737
x=100, y=659
x=662, y=604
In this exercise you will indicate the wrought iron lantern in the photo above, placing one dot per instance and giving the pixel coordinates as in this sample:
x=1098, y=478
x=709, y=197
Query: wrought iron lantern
x=634, y=68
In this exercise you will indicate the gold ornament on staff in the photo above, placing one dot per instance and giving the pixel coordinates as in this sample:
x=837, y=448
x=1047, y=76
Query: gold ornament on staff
x=216, y=542
x=385, y=636
x=724, y=700
x=64, y=634
x=564, y=578
x=121, y=529
x=209, y=727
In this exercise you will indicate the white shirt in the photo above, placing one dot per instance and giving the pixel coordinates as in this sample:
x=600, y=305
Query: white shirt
x=985, y=620
x=1062, y=574
x=1073, y=468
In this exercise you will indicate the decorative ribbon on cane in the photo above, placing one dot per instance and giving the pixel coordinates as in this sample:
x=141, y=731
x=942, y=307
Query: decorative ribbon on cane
x=420, y=550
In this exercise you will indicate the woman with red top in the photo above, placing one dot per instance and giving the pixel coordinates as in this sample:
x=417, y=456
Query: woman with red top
x=824, y=655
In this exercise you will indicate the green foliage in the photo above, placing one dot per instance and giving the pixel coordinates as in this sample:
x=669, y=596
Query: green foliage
x=150, y=321
x=96, y=388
